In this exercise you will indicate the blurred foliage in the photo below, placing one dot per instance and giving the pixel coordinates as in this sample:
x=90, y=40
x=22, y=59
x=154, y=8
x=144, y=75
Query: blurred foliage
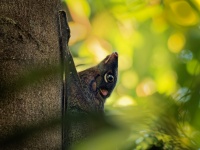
x=156, y=101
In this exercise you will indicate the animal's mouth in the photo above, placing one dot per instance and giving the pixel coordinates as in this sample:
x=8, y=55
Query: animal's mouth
x=104, y=92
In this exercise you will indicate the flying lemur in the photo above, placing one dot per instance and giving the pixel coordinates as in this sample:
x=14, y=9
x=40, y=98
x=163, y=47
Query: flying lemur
x=84, y=93
x=88, y=96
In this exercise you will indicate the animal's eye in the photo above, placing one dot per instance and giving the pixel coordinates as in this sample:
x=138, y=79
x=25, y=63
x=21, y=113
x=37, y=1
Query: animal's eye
x=109, y=78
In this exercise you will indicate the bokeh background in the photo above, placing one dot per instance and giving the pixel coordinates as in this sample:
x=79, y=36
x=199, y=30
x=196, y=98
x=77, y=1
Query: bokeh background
x=156, y=103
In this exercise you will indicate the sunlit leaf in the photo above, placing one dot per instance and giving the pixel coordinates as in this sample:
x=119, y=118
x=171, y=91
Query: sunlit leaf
x=182, y=13
x=176, y=42
x=193, y=67
x=129, y=79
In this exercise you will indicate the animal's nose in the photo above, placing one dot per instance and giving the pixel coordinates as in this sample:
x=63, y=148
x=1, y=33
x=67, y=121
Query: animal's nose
x=115, y=53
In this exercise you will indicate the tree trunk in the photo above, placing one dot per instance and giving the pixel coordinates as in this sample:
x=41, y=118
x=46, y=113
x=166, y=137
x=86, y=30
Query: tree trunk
x=29, y=41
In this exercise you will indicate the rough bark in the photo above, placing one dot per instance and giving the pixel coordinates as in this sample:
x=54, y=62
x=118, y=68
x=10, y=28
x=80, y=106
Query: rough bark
x=29, y=41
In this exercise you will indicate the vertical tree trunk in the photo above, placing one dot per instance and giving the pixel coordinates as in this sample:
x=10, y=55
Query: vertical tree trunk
x=28, y=41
